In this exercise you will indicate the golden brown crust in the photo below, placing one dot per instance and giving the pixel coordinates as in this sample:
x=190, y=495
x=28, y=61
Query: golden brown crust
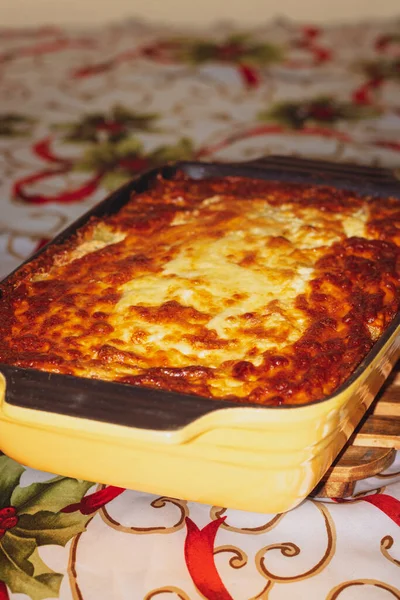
x=73, y=310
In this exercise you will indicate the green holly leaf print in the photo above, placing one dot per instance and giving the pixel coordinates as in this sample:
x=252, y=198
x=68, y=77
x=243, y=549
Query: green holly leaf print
x=30, y=517
x=387, y=39
x=200, y=52
x=382, y=69
x=19, y=564
x=114, y=180
x=182, y=150
x=15, y=125
x=115, y=124
x=50, y=496
x=107, y=155
x=135, y=121
x=10, y=473
x=118, y=161
x=234, y=49
x=321, y=110
x=50, y=528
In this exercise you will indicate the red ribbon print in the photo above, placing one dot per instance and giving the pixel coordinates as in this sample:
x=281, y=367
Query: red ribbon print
x=3, y=591
x=91, y=70
x=164, y=52
x=199, y=557
x=389, y=145
x=261, y=130
x=89, y=504
x=43, y=150
x=387, y=504
x=48, y=47
x=75, y=195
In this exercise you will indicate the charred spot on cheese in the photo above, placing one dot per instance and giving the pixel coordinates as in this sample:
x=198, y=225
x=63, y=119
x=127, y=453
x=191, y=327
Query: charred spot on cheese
x=239, y=289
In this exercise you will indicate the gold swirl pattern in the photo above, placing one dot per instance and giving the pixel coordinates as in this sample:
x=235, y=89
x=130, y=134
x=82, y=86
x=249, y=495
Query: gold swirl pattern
x=386, y=544
x=361, y=495
x=157, y=503
x=217, y=512
x=169, y=589
x=12, y=248
x=71, y=569
x=289, y=549
x=387, y=475
x=239, y=558
x=264, y=594
x=334, y=594
x=76, y=591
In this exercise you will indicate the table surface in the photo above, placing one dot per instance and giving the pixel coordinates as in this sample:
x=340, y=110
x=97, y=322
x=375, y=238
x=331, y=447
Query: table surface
x=81, y=111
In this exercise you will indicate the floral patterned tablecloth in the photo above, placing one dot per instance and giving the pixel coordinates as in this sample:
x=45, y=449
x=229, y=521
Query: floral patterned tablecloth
x=81, y=110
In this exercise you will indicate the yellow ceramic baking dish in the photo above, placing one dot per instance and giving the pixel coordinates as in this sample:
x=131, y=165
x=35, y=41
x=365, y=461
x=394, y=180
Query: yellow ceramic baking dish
x=249, y=457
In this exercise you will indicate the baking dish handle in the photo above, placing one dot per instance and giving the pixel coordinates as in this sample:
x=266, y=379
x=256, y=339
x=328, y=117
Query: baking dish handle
x=101, y=401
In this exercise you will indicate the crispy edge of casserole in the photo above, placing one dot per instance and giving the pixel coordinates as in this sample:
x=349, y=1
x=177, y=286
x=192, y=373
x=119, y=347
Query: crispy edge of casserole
x=87, y=307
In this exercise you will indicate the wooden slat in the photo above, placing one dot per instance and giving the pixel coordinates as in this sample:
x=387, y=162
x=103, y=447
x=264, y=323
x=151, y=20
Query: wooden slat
x=389, y=403
x=395, y=376
x=356, y=462
x=371, y=449
x=334, y=489
x=353, y=464
x=381, y=432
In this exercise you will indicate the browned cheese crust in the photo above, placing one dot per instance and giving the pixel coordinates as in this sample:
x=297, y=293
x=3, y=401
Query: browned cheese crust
x=247, y=290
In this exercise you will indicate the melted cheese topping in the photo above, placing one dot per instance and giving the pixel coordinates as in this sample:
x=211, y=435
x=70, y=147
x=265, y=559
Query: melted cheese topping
x=213, y=277
x=232, y=289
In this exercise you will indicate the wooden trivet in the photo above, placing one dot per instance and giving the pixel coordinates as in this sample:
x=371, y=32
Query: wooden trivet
x=371, y=449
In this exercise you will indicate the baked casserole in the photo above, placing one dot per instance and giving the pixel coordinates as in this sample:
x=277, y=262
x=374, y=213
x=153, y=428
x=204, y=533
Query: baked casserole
x=237, y=289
